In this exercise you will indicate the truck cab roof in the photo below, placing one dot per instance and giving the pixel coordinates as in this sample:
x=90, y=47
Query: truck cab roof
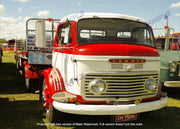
x=83, y=15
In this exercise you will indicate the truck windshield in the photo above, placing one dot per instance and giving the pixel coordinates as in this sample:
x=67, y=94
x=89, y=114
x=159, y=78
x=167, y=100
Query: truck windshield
x=111, y=30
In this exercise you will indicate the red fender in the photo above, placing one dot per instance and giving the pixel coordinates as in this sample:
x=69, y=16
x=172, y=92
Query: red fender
x=54, y=85
x=25, y=62
x=28, y=72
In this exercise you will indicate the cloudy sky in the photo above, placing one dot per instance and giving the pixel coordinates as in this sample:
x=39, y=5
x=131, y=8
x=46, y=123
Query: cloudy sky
x=14, y=13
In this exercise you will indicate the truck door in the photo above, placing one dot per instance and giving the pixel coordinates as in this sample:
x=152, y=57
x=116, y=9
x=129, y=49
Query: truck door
x=64, y=40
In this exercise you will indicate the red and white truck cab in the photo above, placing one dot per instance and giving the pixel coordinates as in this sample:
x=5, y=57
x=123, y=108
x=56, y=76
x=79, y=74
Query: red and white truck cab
x=103, y=64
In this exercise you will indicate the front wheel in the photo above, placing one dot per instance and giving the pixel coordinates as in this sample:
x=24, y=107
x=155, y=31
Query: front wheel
x=52, y=115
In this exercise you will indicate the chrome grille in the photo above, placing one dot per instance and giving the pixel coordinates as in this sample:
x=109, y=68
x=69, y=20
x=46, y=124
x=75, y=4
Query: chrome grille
x=125, y=86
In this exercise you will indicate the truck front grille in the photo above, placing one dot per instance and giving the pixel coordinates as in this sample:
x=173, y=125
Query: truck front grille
x=124, y=86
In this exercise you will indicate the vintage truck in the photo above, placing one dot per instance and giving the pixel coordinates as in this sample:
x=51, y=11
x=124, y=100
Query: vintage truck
x=35, y=54
x=169, y=49
x=102, y=64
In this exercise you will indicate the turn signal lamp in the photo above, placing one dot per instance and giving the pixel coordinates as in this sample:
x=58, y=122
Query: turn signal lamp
x=72, y=100
x=162, y=95
x=64, y=97
x=137, y=102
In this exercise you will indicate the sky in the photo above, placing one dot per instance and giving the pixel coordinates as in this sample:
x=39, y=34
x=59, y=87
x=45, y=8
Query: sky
x=14, y=13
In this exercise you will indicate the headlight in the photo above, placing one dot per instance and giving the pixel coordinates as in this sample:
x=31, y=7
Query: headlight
x=150, y=84
x=172, y=66
x=97, y=86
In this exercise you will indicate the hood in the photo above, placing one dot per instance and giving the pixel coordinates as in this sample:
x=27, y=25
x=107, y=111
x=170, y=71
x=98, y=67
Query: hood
x=116, y=50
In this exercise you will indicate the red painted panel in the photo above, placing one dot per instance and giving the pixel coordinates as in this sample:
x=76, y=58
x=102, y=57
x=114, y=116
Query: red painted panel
x=50, y=83
x=29, y=73
x=116, y=50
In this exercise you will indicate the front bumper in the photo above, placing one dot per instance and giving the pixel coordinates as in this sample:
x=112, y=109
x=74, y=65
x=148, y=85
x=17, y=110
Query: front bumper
x=172, y=84
x=110, y=109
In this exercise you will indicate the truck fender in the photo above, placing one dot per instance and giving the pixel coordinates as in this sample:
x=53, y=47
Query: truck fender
x=54, y=82
x=30, y=72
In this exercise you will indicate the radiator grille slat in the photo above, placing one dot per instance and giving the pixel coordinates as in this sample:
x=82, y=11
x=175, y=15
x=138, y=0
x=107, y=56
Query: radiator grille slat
x=120, y=86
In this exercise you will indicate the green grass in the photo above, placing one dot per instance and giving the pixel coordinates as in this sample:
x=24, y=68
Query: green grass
x=22, y=110
x=18, y=109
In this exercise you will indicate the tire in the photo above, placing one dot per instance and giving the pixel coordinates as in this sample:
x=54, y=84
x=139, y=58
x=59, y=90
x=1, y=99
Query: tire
x=31, y=85
x=52, y=115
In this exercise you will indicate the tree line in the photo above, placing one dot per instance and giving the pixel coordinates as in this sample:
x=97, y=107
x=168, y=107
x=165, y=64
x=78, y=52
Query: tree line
x=6, y=41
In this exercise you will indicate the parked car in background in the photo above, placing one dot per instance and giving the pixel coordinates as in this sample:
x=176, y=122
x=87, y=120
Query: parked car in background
x=169, y=49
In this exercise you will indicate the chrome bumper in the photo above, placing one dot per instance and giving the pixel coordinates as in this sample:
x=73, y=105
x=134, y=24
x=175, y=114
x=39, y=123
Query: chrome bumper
x=172, y=84
x=110, y=109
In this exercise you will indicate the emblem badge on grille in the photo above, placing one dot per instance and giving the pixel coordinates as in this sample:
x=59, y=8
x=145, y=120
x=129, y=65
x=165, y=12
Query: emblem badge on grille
x=129, y=67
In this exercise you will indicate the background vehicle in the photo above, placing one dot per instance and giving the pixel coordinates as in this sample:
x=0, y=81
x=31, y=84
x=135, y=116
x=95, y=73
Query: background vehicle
x=103, y=64
x=35, y=54
x=11, y=43
x=169, y=49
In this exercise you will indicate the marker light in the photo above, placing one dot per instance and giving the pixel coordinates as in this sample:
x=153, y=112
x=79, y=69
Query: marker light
x=137, y=102
x=71, y=100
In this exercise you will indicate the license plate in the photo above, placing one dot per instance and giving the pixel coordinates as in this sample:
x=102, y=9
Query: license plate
x=128, y=117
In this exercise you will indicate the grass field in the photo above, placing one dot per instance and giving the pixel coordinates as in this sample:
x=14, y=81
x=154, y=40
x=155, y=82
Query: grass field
x=22, y=110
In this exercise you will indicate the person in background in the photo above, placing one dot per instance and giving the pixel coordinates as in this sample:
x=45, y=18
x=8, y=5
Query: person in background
x=1, y=54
